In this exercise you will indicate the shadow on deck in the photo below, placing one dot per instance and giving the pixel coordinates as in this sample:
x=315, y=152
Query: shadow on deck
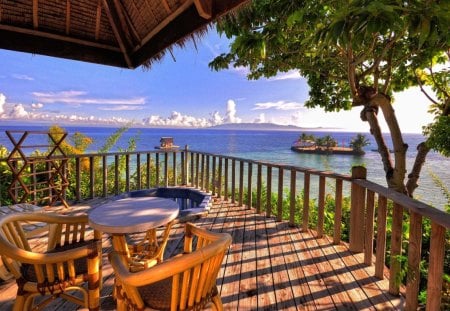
x=270, y=266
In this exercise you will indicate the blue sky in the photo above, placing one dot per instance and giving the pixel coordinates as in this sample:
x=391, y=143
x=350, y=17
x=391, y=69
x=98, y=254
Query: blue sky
x=180, y=92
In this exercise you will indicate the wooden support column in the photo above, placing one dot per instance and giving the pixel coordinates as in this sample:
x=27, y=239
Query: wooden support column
x=321, y=211
x=357, y=211
x=306, y=186
x=249, y=186
x=258, y=189
x=338, y=213
x=105, y=176
x=280, y=194
x=414, y=256
x=436, y=266
x=396, y=249
x=293, y=193
x=241, y=183
x=219, y=179
x=269, y=192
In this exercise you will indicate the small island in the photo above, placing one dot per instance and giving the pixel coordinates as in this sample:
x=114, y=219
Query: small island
x=308, y=143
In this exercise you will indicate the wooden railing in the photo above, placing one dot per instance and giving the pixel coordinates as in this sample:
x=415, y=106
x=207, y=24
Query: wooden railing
x=297, y=194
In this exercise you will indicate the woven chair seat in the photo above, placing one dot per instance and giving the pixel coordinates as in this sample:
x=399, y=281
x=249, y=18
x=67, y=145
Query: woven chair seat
x=158, y=295
x=29, y=274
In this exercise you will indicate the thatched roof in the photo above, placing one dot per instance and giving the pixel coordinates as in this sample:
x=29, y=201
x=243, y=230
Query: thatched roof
x=123, y=33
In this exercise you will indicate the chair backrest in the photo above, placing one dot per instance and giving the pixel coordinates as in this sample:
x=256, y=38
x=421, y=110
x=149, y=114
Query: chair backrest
x=192, y=275
x=31, y=238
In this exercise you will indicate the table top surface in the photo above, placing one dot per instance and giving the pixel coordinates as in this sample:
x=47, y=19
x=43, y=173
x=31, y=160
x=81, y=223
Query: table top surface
x=130, y=215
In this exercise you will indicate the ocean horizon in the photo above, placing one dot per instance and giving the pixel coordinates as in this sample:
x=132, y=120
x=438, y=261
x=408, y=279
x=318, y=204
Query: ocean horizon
x=270, y=146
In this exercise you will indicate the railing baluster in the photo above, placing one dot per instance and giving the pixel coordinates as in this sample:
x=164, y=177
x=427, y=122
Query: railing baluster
x=358, y=200
x=78, y=179
x=183, y=168
x=219, y=186
x=116, y=174
x=321, y=206
x=241, y=182
x=148, y=165
x=207, y=177
x=157, y=168
x=414, y=256
x=280, y=194
x=91, y=177
x=435, y=267
x=213, y=176
x=233, y=181
x=269, y=192
x=293, y=190
x=174, y=160
x=381, y=237
x=127, y=173
x=226, y=180
x=396, y=249
x=249, y=185
x=337, y=213
x=306, y=186
x=197, y=164
x=138, y=171
x=202, y=170
x=104, y=176
x=258, y=189
x=368, y=243
x=166, y=169
x=192, y=170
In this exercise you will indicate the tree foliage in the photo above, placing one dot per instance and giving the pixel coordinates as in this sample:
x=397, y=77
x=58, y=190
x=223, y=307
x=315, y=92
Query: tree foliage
x=352, y=53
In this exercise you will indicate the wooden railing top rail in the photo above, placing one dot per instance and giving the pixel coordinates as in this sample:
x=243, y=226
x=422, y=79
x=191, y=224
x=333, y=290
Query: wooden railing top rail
x=440, y=217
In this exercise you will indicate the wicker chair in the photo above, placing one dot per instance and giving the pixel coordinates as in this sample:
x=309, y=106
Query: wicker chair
x=51, y=261
x=184, y=282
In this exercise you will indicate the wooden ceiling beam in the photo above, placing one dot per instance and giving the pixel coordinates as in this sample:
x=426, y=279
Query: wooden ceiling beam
x=166, y=6
x=35, y=14
x=32, y=41
x=98, y=19
x=164, y=23
x=41, y=34
x=68, y=17
x=117, y=26
x=204, y=8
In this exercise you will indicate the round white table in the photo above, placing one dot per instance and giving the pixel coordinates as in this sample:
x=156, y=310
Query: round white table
x=136, y=214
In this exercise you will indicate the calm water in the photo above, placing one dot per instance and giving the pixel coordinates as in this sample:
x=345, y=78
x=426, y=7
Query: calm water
x=272, y=146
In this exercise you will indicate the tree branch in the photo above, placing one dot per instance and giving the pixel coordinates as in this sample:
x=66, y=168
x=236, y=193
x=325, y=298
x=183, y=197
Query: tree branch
x=423, y=90
x=413, y=177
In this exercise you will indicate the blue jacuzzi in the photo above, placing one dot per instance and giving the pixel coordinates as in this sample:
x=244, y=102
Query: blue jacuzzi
x=191, y=201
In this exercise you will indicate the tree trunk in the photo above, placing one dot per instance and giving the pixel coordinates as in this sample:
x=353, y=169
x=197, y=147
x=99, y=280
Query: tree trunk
x=413, y=177
x=395, y=172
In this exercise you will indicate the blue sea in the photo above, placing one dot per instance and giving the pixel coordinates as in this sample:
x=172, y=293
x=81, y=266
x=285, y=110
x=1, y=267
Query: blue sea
x=272, y=146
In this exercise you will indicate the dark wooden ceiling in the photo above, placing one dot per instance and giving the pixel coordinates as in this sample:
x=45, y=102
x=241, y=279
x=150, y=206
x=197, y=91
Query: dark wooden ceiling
x=123, y=33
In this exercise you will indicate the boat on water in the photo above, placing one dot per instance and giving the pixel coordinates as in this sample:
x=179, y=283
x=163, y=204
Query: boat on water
x=309, y=146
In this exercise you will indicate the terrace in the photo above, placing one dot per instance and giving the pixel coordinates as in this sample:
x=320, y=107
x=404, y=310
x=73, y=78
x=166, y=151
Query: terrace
x=289, y=245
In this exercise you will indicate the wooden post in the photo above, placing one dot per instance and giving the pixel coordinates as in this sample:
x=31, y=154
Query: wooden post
x=226, y=181
x=186, y=165
x=78, y=179
x=166, y=169
x=148, y=170
x=396, y=249
x=183, y=168
x=197, y=163
x=157, y=169
x=127, y=172
x=91, y=177
x=116, y=174
x=174, y=164
x=381, y=237
x=207, y=174
x=357, y=210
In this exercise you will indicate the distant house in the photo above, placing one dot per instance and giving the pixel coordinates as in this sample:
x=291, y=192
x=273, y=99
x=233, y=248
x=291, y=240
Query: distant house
x=166, y=143
x=304, y=143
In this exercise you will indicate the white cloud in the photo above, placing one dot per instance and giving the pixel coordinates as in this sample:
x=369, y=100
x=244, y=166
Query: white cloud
x=18, y=112
x=78, y=98
x=22, y=77
x=260, y=119
x=231, y=113
x=2, y=103
x=176, y=119
x=37, y=106
x=290, y=75
x=279, y=105
x=121, y=108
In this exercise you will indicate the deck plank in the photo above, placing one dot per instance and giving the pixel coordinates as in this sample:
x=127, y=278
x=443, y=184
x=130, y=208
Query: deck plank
x=270, y=266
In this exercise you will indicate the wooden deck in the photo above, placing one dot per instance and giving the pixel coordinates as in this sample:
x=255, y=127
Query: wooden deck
x=270, y=266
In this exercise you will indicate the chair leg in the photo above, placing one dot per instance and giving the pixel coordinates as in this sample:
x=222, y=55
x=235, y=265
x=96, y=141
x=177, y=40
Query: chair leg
x=217, y=303
x=19, y=303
